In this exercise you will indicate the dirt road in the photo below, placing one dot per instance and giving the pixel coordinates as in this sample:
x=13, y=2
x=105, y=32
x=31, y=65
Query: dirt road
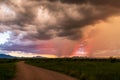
x=28, y=72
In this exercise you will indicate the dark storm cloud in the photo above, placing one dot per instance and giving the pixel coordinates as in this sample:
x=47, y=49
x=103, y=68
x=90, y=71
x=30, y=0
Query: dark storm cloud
x=43, y=35
x=71, y=1
x=113, y=3
x=8, y=47
x=63, y=18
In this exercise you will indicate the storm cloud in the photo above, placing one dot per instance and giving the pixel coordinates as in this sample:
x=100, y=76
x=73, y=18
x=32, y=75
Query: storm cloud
x=47, y=19
x=31, y=21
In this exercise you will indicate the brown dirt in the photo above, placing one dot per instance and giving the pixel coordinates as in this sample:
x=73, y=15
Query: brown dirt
x=28, y=72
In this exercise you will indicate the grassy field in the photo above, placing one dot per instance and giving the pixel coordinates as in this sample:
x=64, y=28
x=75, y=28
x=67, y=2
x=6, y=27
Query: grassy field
x=83, y=69
x=7, y=69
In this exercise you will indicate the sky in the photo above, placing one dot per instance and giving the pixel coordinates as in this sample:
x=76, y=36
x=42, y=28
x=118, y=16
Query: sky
x=60, y=28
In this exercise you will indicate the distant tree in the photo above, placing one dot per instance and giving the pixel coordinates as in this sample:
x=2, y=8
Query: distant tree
x=112, y=59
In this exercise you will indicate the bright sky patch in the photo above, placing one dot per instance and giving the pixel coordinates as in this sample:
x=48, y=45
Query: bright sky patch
x=4, y=37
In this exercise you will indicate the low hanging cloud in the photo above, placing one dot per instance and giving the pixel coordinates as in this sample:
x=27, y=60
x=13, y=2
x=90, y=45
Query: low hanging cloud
x=44, y=20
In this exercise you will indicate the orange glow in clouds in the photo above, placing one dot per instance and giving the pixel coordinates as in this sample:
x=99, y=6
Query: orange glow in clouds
x=101, y=37
x=82, y=49
x=23, y=54
x=46, y=48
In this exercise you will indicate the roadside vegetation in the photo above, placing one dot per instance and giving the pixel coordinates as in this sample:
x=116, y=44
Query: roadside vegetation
x=7, y=69
x=83, y=69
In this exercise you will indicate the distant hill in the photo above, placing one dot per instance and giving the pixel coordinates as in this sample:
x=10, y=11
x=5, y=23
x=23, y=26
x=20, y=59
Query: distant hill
x=6, y=56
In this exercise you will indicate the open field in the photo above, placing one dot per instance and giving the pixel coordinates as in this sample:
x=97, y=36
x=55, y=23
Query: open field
x=7, y=69
x=83, y=69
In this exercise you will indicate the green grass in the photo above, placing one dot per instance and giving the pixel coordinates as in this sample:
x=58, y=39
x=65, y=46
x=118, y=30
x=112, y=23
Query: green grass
x=82, y=69
x=7, y=69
